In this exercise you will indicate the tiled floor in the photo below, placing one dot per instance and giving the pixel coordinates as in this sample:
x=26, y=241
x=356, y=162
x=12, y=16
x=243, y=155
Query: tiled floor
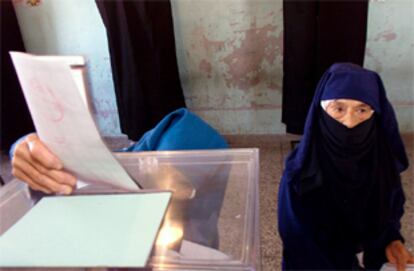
x=273, y=150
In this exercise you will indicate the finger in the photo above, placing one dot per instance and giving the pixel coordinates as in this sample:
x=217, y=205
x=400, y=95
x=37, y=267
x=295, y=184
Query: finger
x=38, y=187
x=58, y=176
x=390, y=256
x=23, y=177
x=23, y=170
x=22, y=153
x=62, y=177
x=42, y=154
x=41, y=175
x=32, y=136
x=400, y=266
x=40, y=179
x=401, y=261
x=55, y=186
x=410, y=256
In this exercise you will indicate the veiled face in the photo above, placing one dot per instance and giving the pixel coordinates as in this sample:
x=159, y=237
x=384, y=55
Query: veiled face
x=349, y=112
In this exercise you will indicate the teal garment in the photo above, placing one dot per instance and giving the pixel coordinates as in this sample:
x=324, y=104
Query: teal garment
x=180, y=130
x=183, y=130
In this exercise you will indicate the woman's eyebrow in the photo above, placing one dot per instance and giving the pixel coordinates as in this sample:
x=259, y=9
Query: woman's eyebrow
x=364, y=105
x=336, y=103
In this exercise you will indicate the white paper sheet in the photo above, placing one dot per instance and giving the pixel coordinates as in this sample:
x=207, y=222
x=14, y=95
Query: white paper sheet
x=64, y=123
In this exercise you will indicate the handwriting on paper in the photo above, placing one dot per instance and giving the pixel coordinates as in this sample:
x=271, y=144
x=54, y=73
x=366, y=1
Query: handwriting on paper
x=64, y=123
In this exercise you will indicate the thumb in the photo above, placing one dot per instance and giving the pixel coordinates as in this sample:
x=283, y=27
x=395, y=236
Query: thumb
x=390, y=256
x=401, y=262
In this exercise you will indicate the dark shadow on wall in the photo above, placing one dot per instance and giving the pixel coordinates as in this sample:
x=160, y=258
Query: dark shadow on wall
x=143, y=59
x=15, y=117
x=317, y=33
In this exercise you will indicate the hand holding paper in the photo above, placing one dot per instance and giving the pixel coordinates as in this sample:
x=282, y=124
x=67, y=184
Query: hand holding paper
x=64, y=123
x=36, y=165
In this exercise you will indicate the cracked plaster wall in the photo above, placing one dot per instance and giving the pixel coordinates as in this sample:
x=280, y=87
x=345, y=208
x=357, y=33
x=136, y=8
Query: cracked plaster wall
x=229, y=56
x=390, y=52
x=230, y=60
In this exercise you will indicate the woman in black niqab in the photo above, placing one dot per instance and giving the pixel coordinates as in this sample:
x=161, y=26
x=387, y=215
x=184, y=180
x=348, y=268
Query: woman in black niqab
x=341, y=191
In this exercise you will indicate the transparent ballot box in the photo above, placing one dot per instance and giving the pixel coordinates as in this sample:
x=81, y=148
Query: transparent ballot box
x=212, y=222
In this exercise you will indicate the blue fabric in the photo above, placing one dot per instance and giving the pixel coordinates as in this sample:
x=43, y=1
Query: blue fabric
x=13, y=147
x=180, y=130
x=349, y=81
x=183, y=130
x=304, y=244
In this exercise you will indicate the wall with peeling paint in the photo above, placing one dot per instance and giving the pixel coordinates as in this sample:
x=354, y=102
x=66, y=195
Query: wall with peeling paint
x=230, y=60
x=229, y=56
x=74, y=28
x=390, y=51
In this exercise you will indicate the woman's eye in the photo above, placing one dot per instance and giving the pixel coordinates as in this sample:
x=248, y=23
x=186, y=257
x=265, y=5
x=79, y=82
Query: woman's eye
x=363, y=111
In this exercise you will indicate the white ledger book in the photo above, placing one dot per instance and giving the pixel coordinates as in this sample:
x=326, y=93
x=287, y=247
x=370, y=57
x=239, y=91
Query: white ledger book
x=64, y=123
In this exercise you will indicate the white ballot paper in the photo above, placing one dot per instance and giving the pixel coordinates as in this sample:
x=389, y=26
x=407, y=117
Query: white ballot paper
x=64, y=123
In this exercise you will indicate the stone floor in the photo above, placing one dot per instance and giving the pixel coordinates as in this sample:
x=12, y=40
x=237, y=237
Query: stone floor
x=273, y=150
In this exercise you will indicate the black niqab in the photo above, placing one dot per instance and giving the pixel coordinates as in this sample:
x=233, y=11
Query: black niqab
x=358, y=174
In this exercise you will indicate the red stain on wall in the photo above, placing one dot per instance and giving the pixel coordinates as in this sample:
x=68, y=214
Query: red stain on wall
x=387, y=35
x=243, y=55
x=212, y=45
x=273, y=85
x=205, y=67
x=270, y=14
x=201, y=41
x=245, y=61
